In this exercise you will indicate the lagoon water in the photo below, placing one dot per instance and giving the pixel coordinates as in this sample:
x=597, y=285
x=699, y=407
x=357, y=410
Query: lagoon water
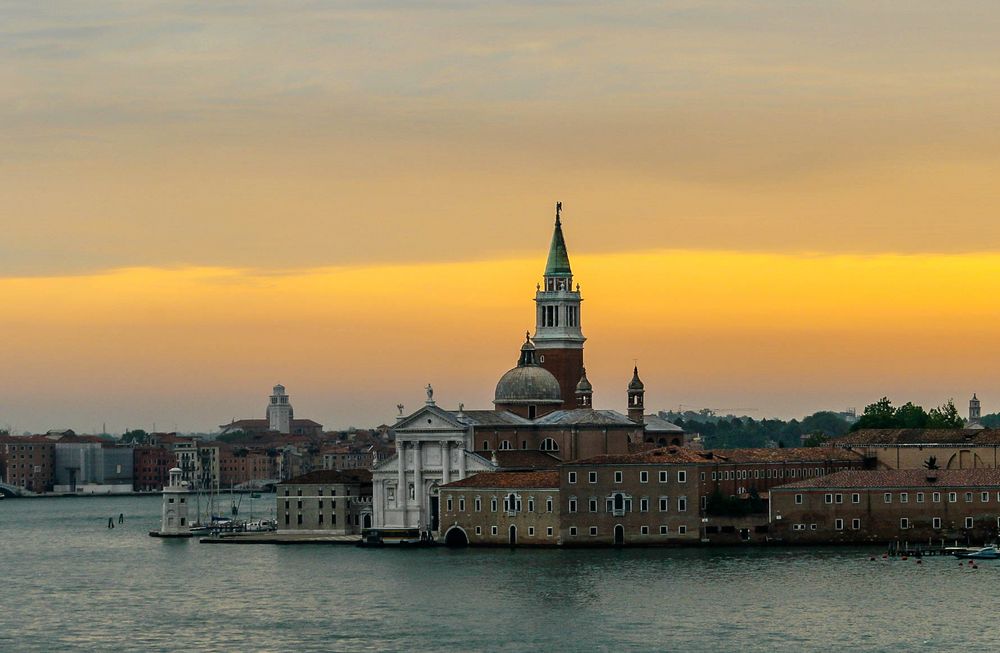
x=70, y=583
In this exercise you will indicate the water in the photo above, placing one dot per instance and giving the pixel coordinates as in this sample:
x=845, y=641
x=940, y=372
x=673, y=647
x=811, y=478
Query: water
x=69, y=583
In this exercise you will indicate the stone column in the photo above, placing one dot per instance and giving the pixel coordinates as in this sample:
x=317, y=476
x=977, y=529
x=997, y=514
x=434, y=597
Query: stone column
x=461, y=462
x=402, y=494
x=418, y=482
x=445, y=463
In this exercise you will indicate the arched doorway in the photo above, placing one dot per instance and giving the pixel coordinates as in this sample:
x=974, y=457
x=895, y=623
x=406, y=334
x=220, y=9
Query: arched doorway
x=512, y=535
x=366, y=521
x=619, y=535
x=456, y=537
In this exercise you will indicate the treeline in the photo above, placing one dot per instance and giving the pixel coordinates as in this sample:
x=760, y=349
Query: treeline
x=738, y=432
x=883, y=415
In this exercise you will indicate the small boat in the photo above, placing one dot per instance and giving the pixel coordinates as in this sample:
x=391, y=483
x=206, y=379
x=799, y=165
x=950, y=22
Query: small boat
x=985, y=553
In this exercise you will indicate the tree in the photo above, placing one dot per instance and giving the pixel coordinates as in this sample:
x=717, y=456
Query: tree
x=931, y=463
x=880, y=415
x=135, y=436
x=826, y=422
x=911, y=416
x=945, y=417
x=816, y=440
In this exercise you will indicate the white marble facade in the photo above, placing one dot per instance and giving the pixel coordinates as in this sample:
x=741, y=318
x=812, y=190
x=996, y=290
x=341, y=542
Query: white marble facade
x=433, y=446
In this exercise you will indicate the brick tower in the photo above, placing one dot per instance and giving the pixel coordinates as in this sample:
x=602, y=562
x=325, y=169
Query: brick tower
x=558, y=338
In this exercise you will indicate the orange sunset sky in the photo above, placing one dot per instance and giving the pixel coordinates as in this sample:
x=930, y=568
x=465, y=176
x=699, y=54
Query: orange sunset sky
x=777, y=207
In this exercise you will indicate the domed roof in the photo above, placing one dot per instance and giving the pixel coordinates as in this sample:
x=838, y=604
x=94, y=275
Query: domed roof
x=528, y=384
x=584, y=386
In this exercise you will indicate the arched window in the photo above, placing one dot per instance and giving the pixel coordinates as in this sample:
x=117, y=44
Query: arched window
x=504, y=445
x=548, y=444
x=486, y=445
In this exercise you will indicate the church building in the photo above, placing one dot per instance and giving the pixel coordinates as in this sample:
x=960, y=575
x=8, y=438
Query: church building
x=542, y=411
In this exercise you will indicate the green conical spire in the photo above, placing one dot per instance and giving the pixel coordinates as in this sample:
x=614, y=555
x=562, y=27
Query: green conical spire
x=558, y=263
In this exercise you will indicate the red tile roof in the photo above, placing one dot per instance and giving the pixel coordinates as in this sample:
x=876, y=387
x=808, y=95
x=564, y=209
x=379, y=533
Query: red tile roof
x=900, y=478
x=682, y=455
x=327, y=476
x=509, y=480
x=871, y=437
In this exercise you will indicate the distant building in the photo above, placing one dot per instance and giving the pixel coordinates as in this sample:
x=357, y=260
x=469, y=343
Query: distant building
x=91, y=465
x=919, y=448
x=325, y=502
x=279, y=418
x=888, y=505
x=974, y=413
x=28, y=462
x=150, y=468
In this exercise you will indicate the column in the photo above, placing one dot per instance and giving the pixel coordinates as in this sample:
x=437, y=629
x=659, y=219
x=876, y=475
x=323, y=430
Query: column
x=402, y=494
x=445, y=463
x=418, y=482
x=461, y=462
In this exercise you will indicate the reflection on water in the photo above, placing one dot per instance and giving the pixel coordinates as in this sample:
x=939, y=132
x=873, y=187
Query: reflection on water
x=70, y=582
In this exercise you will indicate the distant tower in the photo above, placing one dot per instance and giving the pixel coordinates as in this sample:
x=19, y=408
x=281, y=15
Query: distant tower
x=174, y=519
x=636, y=390
x=974, y=413
x=279, y=411
x=558, y=338
x=584, y=392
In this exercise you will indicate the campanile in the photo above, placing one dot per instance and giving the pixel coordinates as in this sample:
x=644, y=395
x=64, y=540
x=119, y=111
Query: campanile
x=558, y=338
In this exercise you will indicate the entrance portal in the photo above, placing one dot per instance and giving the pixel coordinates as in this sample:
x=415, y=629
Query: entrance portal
x=456, y=537
x=512, y=536
x=619, y=535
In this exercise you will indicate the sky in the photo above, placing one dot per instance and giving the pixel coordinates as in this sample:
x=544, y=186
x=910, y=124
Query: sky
x=775, y=207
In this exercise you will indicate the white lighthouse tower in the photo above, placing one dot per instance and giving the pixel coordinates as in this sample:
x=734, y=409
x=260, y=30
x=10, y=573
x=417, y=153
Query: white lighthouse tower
x=279, y=411
x=174, y=518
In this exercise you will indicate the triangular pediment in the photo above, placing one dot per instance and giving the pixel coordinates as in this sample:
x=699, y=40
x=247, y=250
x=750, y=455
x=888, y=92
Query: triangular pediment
x=429, y=418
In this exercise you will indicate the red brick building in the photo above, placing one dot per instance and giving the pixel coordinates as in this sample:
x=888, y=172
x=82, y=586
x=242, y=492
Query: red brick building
x=150, y=467
x=241, y=466
x=28, y=462
x=889, y=505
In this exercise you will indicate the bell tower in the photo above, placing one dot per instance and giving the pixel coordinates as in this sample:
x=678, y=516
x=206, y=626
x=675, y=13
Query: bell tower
x=558, y=337
x=636, y=392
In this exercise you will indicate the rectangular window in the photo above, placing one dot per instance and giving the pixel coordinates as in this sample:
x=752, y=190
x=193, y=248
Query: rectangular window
x=479, y=530
x=838, y=498
x=493, y=530
x=920, y=497
x=904, y=523
x=952, y=497
x=644, y=504
x=531, y=504
x=968, y=497
x=572, y=504
x=447, y=503
x=571, y=477
x=904, y=497
x=663, y=530
x=682, y=504
x=300, y=518
x=592, y=504
x=493, y=504
x=644, y=477
x=663, y=477
x=936, y=497
x=856, y=524
x=644, y=530
x=828, y=498
x=593, y=530
x=572, y=530
x=592, y=477
x=618, y=477
x=984, y=497
x=968, y=522
x=682, y=476
x=838, y=524
x=798, y=499
x=664, y=504
x=714, y=474
x=531, y=531
x=936, y=522
x=887, y=497
x=681, y=530
x=548, y=504
x=477, y=503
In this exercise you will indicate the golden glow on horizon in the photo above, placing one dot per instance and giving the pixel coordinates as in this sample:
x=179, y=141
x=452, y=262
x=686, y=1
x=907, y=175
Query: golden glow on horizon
x=784, y=333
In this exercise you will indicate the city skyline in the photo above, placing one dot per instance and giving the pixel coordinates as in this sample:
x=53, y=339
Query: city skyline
x=782, y=207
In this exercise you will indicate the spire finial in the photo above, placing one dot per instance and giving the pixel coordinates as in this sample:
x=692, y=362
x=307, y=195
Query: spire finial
x=558, y=213
x=527, y=336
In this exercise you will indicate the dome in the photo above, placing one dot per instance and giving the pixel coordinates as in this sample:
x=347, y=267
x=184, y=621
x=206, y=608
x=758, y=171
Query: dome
x=528, y=384
x=584, y=385
x=636, y=383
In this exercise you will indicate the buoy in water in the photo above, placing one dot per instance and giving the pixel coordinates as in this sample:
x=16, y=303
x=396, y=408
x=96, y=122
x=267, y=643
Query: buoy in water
x=920, y=562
